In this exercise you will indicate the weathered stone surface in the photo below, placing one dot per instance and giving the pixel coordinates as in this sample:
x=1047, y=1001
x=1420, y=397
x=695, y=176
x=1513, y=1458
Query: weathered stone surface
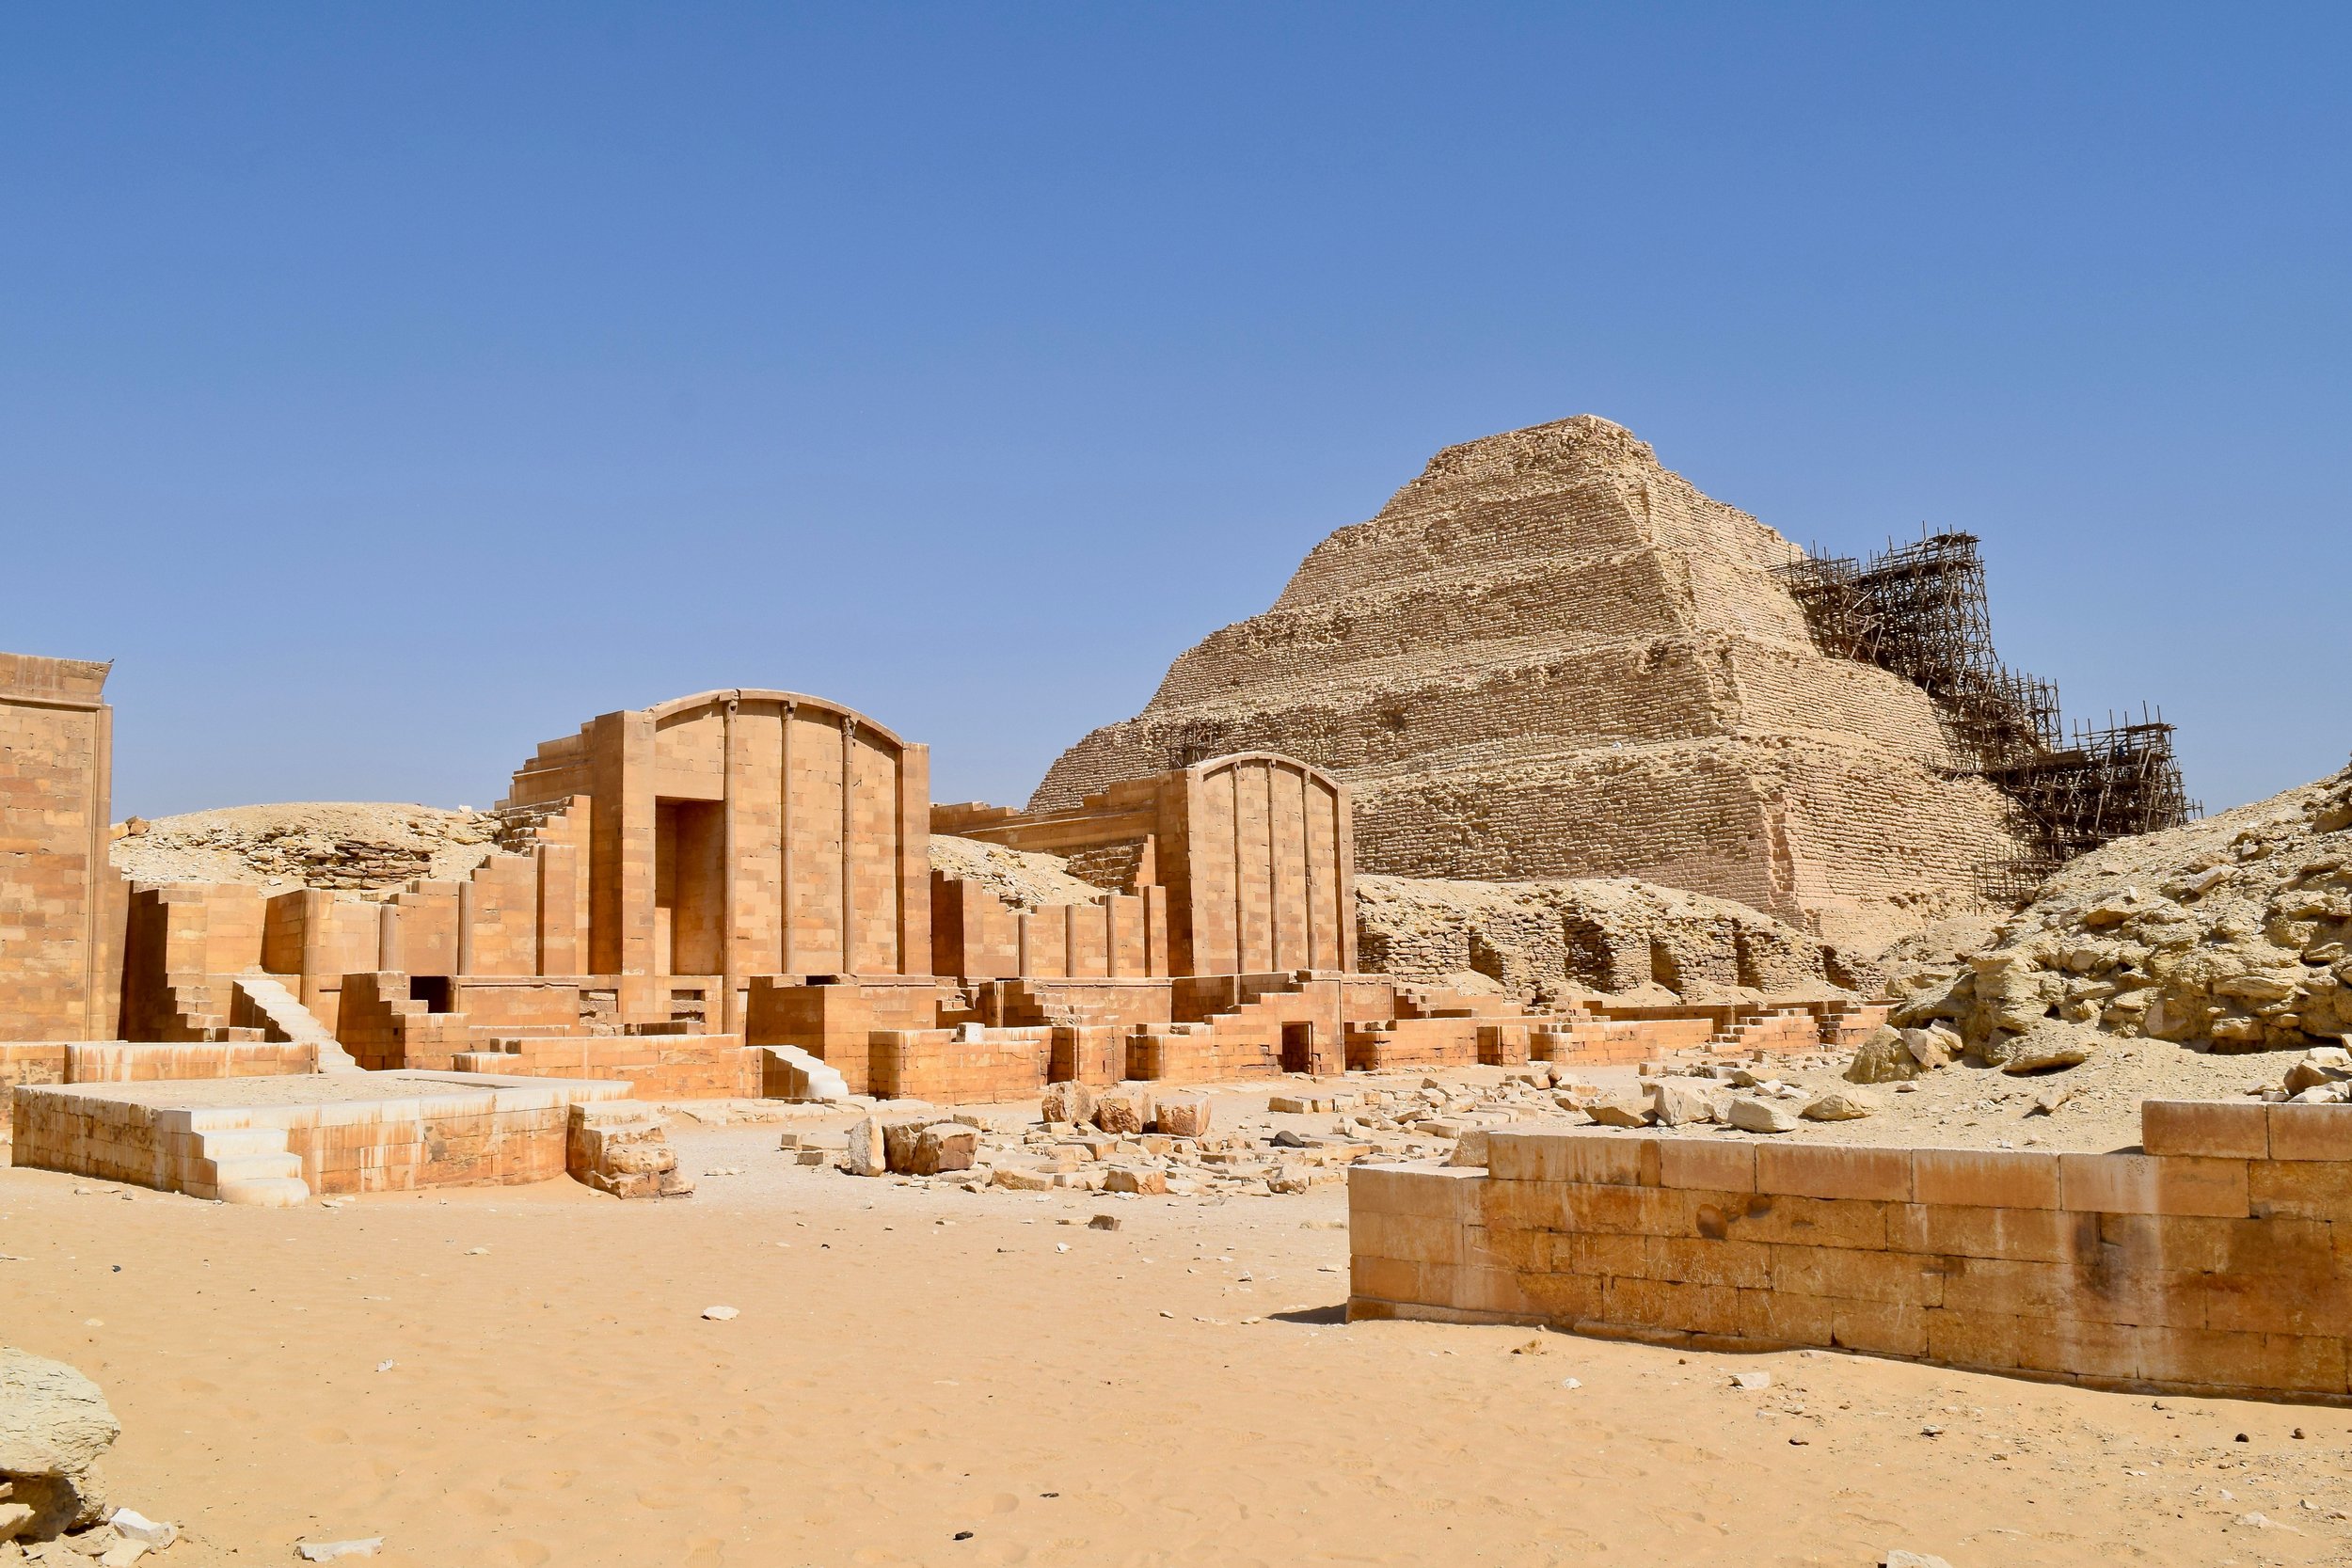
x=1842, y=1105
x=55, y=1425
x=945, y=1146
x=1549, y=656
x=1183, y=1116
x=1751, y=1115
x=1619, y=1110
x=1129, y=1179
x=1884, y=1057
x=1678, y=1102
x=867, y=1153
x=1071, y=1103
x=1122, y=1111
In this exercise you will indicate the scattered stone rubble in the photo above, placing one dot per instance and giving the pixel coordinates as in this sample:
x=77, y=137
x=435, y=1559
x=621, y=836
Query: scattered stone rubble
x=355, y=847
x=618, y=1146
x=1131, y=1139
x=55, y=1426
x=1020, y=880
x=1634, y=942
x=2225, y=935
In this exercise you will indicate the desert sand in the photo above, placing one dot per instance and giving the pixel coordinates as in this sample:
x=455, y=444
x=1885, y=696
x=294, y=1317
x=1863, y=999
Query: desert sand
x=918, y=1376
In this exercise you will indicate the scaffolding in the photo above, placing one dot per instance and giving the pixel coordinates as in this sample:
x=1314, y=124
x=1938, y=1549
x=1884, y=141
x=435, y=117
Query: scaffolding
x=1918, y=610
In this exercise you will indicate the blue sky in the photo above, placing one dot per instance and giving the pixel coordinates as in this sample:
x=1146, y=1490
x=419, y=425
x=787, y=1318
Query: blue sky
x=389, y=388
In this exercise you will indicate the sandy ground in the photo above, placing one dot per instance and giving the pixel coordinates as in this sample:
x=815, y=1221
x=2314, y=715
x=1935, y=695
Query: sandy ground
x=930, y=1376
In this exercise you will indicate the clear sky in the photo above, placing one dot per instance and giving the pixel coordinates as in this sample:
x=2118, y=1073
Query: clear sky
x=386, y=389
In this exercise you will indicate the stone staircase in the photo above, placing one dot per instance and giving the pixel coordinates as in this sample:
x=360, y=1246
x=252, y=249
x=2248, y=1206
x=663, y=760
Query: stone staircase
x=788, y=1072
x=261, y=1001
x=247, y=1165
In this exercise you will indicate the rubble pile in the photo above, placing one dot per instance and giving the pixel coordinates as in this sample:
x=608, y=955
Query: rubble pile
x=1131, y=1139
x=2225, y=935
x=1020, y=880
x=352, y=847
x=1630, y=941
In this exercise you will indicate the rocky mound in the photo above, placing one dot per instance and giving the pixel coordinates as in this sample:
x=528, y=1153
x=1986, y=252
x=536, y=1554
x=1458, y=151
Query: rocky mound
x=2227, y=935
x=346, y=845
x=1548, y=940
x=1023, y=880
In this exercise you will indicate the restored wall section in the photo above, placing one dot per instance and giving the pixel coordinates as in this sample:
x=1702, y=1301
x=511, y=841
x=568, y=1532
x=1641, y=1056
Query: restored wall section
x=2211, y=1264
x=61, y=905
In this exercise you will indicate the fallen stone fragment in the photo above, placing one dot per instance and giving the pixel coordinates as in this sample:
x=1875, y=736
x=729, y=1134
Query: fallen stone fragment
x=1103, y=1221
x=1122, y=1111
x=1619, y=1111
x=53, y=1425
x=1750, y=1380
x=1020, y=1179
x=1751, y=1115
x=1183, y=1115
x=1841, y=1105
x=1128, y=1179
x=327, y=1551
x=1066, y=1102
x=2045, y=1053
x=867, y=1153
x=1884, y=1057
x=2049, y=1100
x=1680, y=1102
x=139, y=1527
x=943, y=1145
x=1934, y=1046
x=1915, y=1559
x=720, y=1314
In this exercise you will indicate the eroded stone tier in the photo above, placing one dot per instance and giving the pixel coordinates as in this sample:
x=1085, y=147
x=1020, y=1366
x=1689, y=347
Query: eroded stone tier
x=1550, y=657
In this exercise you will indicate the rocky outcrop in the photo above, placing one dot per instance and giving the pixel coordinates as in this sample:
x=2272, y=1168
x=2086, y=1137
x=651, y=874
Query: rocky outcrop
x=1549, y=656
x=1547, y=942
x=55, y=1425
x=348, y=846
x=2230, y=935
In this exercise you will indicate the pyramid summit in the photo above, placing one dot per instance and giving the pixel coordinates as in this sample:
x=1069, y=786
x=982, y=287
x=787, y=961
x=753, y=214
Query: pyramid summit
x=1549, y=656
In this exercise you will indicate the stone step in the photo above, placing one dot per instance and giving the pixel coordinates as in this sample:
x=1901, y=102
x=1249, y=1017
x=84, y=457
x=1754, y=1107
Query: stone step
x=229, y=1143
x=281, y=1192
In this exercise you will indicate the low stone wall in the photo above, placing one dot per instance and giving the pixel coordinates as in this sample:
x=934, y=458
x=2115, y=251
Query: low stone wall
x=114, y=1062
x=2218, y=1260
x=349, y=1132
x=931, y=1064
x=658, y=1067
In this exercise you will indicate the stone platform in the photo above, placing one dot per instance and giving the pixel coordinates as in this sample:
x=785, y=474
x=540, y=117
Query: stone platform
x=280, y=1140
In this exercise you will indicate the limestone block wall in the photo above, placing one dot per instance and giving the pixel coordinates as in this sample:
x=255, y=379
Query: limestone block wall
x=977, y=936
x=1256, y=853
x=933, y=1065
x=61, y=905
x=2208, y=1262
x=656, y=1066
x=745, y=832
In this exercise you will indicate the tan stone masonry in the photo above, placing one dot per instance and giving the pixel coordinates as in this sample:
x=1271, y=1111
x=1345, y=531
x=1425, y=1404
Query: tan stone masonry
x=2217, y=1259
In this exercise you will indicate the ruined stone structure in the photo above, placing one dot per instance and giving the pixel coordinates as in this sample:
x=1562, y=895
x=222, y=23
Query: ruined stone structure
x=59, y=902
x=728, y=895
x=1255, y=854
x=1549, y=656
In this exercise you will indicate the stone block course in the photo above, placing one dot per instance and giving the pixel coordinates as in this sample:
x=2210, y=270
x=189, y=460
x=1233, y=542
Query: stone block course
x=2193, y=1271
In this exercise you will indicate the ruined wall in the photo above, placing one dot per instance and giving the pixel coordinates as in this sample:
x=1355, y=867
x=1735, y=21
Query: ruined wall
x=1549, y=656
x=1255, y=851
x=2208, y=1264
x=61, y=906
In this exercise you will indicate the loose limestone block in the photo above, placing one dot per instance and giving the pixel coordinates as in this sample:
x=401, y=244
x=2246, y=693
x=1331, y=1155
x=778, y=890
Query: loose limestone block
x=1067, y=1101
x=1122, y=1111
x=1842, y=1105
x=867, y=1153
x=618, y=1146
x=898, y=1140
x=945, y=1146
x=53, y=1425
x=1886, y=1057
x=1183, y=1116
x=1751, y=1115
x=1678, y=1102
x=1130, y=1179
